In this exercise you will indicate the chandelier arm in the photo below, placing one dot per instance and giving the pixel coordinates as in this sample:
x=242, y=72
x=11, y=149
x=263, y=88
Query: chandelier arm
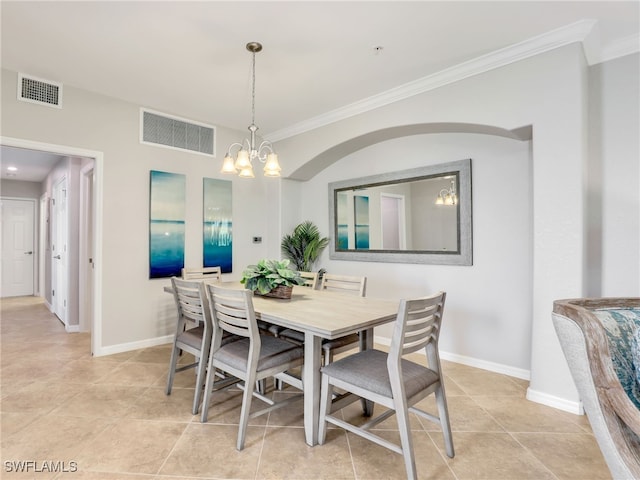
x=236, y=144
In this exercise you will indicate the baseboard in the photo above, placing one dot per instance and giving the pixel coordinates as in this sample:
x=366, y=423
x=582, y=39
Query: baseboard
x=474, y=362
x=555, y=402
x=127, y=347
x=72, y=328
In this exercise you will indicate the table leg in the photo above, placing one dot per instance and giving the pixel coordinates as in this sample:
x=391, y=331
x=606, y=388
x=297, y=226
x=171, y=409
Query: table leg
x=311, y=386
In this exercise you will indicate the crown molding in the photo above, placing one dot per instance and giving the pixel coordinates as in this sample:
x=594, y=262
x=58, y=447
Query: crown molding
x=620, y=48
x=572, y=33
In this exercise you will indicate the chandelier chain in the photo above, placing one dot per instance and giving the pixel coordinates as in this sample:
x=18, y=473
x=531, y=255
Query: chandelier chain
x=253, y=89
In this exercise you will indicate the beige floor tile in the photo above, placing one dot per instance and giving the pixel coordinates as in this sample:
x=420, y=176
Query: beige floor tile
x=520, y=415
x=11, y=423
x=474, y=381
x=160, y=354
x=134, y=373
x=299, y=461
x=290, y=415
x=492, y=456
x=353, y=414
x=569, y=456
x=53, y=438
x=206, y=450
x=465, y=415
x=154, y=404
x=87, y=475
x=85, y=370
x=132, y=446
x=39, y=398
x=226, y=405
x=372, y=461
x=112, y=401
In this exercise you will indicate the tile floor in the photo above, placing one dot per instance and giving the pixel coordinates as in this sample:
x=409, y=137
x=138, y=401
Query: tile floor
x=108, y=418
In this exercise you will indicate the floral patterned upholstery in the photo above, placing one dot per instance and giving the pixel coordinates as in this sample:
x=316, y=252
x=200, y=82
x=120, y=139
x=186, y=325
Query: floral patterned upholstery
x=623, y=333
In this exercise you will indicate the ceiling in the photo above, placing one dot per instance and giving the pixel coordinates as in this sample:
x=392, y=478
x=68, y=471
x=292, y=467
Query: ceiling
x=189, y=59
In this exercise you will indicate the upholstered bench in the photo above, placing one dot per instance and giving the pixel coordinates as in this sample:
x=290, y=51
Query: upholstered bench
x=600, y=339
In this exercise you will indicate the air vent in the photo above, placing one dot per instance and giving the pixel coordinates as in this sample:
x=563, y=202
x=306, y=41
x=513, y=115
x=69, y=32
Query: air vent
x=37, y=90
x=172, y=132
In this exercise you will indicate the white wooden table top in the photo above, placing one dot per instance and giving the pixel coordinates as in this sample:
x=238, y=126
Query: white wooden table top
x=326, y=314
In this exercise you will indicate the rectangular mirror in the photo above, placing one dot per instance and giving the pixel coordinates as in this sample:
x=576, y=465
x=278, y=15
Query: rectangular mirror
x=422, y=215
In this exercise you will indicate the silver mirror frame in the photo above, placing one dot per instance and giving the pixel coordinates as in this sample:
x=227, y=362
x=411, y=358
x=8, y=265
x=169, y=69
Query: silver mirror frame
x=465, y=231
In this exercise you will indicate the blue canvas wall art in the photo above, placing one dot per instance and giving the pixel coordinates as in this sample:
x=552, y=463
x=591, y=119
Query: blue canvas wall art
x=217, y=241
x=342, y=227
x=361, y=214
x=167, y=198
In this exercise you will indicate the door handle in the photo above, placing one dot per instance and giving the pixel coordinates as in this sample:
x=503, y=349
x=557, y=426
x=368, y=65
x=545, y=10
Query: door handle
x=57, y=257
x=28, y=253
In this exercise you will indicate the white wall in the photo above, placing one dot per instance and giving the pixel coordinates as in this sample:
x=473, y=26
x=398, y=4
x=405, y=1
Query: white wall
x=614, y=196
x=547, y=91
x=488, y=310
x=20, y=189
x=136, y=312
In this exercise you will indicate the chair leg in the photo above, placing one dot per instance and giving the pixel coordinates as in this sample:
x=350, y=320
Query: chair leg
x=208, y=389
x=443, y=412
x=406, y=441
x=247, y=396
x=326, y=396
x=200, y=378
x=172, y=369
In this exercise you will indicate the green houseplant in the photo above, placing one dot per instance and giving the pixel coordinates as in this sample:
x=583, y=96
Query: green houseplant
x=304, y=246
x=272, y=278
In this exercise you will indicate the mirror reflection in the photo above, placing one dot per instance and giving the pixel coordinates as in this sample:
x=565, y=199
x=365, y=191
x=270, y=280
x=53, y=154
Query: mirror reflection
x=418, y=216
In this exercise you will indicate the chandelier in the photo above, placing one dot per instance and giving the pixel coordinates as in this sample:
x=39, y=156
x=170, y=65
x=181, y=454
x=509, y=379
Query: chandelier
x=247, y=150
x=448, y=196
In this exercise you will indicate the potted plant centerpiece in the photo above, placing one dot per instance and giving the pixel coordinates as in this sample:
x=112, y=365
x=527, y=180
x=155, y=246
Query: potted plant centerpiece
x=271, y=278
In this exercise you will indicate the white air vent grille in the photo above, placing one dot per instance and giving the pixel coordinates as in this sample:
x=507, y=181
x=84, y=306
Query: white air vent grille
x=37, y=90
x=172, y=132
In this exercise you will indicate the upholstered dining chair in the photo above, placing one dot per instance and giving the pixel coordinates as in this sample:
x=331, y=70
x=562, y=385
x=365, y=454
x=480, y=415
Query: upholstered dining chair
x=211, y=273
x=193, y=333
x=336, y=283
x=252, y=358
x=393, y=381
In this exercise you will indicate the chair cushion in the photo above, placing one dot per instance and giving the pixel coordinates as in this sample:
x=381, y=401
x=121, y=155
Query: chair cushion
x=192, y=337
x=294, y=335
x=635, y=353
x=620, y=325
x=297, y=336
x=273, y=352
x=352, y=339
x=368, y=370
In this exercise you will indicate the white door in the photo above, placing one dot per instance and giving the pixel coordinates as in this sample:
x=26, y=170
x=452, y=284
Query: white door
x=17, y=247
x=393, y=224
x=59, y=250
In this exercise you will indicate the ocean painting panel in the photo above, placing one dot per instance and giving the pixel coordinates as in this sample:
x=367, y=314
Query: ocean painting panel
x=167, y=200
x=361, y=214
x=217, y=241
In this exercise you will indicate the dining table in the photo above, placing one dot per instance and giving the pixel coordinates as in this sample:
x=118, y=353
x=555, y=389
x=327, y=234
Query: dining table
x=320, y=314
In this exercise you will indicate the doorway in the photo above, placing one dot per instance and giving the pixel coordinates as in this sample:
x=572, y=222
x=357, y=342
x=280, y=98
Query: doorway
x=393, y=222
x=78, y=209
x=18, y=253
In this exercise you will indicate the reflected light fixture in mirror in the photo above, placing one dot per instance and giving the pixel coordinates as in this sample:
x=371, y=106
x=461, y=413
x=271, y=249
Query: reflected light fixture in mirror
x=448, y=196
x=247, y=150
